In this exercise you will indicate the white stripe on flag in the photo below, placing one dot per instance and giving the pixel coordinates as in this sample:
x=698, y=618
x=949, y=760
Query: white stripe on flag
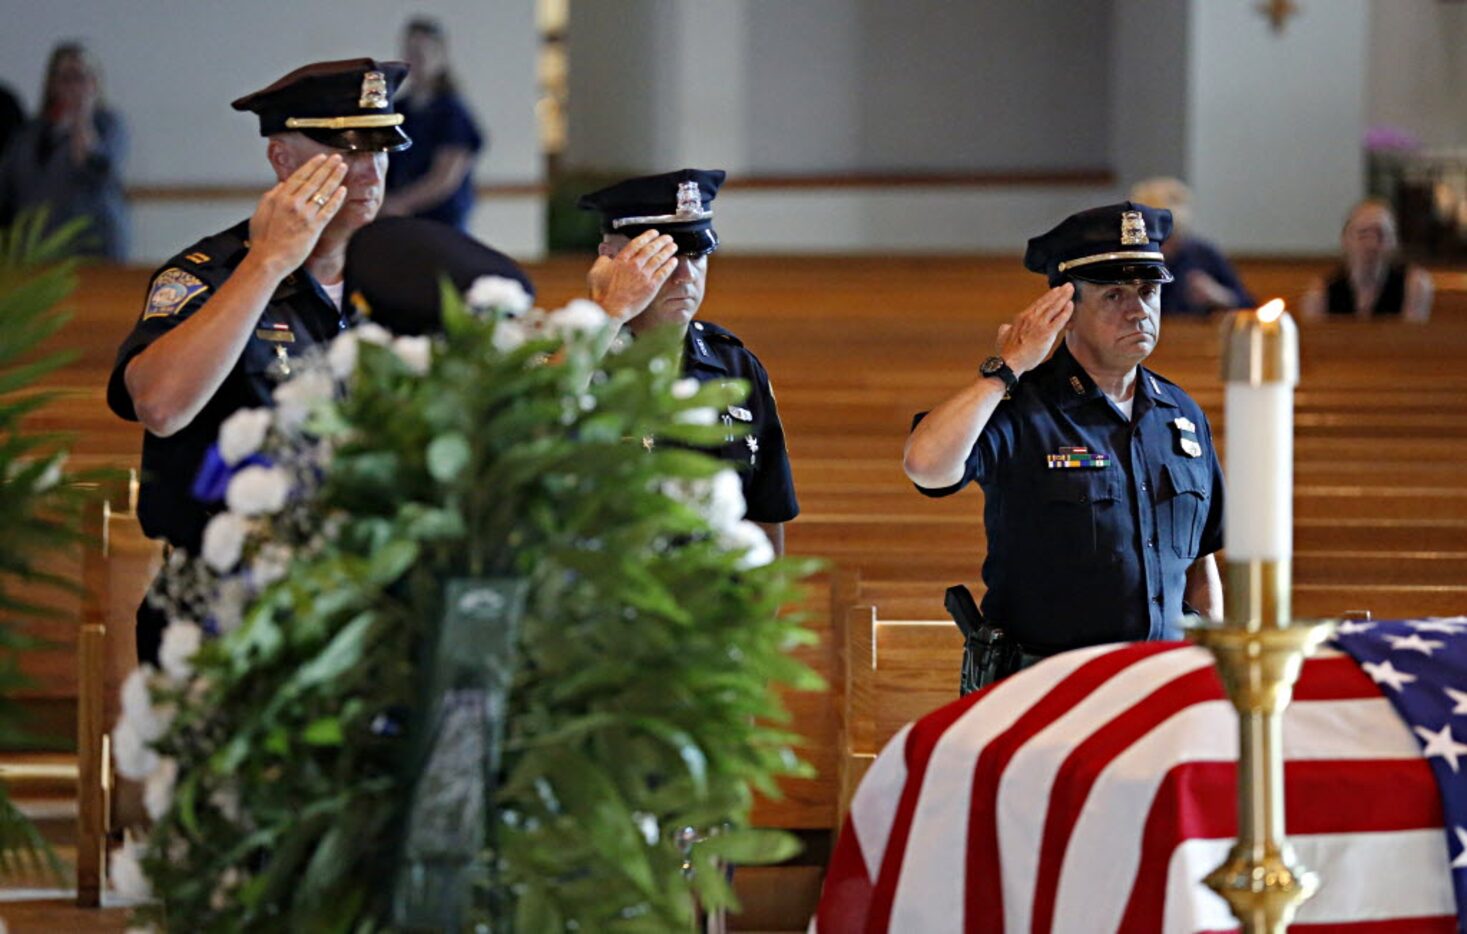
x=874, y=805
x=1365, y=877
x=929, y=893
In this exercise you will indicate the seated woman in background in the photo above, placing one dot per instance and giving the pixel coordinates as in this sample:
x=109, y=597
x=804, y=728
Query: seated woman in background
x=1372, y=282
x=70, y=157
x=1205, y=280
x=433, y=178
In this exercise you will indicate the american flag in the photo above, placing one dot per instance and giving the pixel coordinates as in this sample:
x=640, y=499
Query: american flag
x=1094, y=791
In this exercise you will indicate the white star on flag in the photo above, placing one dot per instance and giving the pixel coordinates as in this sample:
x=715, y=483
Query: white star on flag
x=1352, y=627
x=1386, y=673
x=1459, y=698
x=1414, y=643
x=1461, y=861
x=1441, y=743
x=1449, y=627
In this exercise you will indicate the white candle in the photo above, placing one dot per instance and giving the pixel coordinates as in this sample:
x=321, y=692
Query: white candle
x=1259, y=406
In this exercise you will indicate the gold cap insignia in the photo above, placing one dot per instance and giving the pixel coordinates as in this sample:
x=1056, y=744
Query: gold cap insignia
x=689, y=201
x=1133, y=229
x=374, y=91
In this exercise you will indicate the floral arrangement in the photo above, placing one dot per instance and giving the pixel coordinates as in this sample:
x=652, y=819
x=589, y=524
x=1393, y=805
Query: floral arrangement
x=270, y=740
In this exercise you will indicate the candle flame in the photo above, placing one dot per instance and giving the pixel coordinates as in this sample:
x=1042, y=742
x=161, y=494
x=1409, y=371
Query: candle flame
x=1269, y=312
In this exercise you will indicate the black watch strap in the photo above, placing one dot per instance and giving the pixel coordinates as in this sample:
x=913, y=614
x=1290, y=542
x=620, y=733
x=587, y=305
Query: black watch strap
x=997, y=368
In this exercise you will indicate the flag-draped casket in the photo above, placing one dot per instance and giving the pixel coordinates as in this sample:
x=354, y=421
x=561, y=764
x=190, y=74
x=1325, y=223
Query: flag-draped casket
x=1093, y=792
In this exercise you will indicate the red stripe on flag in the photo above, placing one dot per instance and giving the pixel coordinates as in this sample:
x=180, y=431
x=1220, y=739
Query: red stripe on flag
x=983, y=889
x=1338, y=677
x=1197, y=800
x=920, y=743
x=845, y=896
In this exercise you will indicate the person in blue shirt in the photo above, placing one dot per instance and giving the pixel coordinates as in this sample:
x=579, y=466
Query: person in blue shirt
x=1204, y=279
x=434, y=179
x=1102, y=487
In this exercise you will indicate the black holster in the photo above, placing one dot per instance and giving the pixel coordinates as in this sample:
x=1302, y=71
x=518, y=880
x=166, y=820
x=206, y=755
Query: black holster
x=989, y=655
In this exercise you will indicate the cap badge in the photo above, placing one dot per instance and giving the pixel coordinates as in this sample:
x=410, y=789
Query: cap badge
x=1133, y=229
x=374, y=91
x=689, y=201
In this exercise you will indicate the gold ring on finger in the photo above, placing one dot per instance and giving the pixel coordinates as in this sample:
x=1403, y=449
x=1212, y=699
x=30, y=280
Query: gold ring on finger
x=320, y=200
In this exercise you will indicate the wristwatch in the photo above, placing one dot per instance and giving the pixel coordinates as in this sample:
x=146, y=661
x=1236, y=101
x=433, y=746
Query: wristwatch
x=996, y=368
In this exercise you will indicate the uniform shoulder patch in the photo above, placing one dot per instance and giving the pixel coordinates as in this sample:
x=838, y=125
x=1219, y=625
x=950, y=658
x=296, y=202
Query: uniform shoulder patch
x=171, y=290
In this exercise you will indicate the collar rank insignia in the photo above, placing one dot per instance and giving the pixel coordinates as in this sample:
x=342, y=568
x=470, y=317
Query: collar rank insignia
x=374, y=91
x=1076, y=385
x=1155, y=386
x=1133, y=229
x=1070, y=458
x=742, y=414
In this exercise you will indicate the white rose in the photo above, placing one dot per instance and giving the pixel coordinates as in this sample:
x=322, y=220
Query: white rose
x=271, y=564
x=295, y=398
x=342, y=355
x=685, y=388
x=370, y=332
x=580, y=316
x=726, y=504
x=158, y=788
x=242, y=433
x=750, y=542
x=224, y=540
x=180, y=644
x=498, y=293
x=416, y=353
x=145, y=719
x=509, y=335
x=258, y=491
x=125, y=869
x=135, y=758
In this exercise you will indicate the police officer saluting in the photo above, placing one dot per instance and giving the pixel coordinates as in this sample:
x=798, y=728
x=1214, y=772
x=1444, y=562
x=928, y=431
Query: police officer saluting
x=657, y=232
x=1103, y=492
x=224, y=318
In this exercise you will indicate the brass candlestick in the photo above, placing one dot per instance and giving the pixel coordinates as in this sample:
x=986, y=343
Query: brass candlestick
x=1260, y=649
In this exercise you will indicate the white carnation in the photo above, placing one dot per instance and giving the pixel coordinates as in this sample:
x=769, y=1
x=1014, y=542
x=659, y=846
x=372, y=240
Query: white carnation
x=148, y=721
x=135, y=758
x=416, y=353
x=296, y=398
x=258, y=491
x=370, y=332
x=342, y=354
x=725, y=504
x=242, y=433
x=685, y=388
x=271, y=563
x=580, y=316
x=509, y=335
x=125, y=869
x=748, y=540
x=181, y=641
x=224, y=541
x=498, y=293
x=158, y=788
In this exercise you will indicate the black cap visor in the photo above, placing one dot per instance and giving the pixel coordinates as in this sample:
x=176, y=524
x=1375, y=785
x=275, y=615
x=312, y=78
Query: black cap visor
x=696, y=242
x=362, y=139
x=1106, y=273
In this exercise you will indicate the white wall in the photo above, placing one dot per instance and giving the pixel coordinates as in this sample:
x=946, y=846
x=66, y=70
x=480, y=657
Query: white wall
x=172, y=67
x=1418, y=69
x=1275, y=122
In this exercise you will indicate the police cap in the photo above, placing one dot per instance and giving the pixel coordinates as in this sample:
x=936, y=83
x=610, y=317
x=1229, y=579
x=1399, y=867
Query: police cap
x=1114, y=243
x=674, y=203
x=394, y=266
x=345, y=104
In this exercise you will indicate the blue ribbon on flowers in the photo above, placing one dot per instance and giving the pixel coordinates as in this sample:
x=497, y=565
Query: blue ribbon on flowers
x=214, y=475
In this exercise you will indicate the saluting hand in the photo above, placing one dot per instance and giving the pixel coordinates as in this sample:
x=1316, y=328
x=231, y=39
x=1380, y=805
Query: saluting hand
x=1026, y=341
x=290, y=217
x=625, y=284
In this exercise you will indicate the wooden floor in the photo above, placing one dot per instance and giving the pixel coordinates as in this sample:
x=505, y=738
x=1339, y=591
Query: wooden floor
x=855, y=346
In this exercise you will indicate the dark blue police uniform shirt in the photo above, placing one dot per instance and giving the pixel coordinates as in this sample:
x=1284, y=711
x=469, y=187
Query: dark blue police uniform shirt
x=1090, y=555
x=299, y=315
x=711, y=353
x=442, y=122
x=1194, y=254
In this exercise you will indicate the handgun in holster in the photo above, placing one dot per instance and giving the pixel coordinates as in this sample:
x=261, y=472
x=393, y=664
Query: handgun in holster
x=988, y=653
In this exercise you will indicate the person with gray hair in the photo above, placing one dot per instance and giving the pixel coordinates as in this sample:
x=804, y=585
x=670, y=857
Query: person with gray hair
x=1205, y=280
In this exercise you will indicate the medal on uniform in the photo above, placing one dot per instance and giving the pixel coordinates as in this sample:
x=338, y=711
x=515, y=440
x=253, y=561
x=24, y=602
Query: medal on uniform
x=1072, y=458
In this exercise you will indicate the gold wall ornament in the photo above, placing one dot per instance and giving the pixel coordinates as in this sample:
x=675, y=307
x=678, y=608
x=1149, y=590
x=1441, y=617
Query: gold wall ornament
x=1260, y=648
x=1278, y=12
